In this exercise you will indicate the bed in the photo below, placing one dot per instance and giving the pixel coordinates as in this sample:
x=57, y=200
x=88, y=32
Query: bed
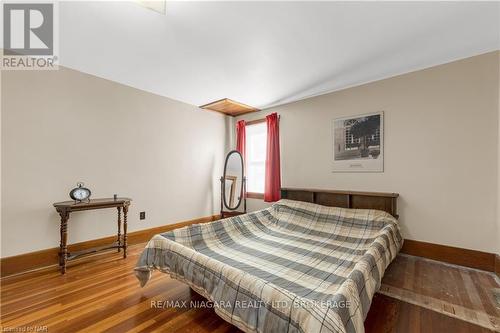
x=298, y=266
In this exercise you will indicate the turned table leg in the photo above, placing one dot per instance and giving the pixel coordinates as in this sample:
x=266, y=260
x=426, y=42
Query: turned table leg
x=63, y=249
x=119, y=238
x=125, y=211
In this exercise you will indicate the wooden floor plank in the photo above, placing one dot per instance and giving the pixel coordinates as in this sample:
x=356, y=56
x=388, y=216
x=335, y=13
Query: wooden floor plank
x=101, y=294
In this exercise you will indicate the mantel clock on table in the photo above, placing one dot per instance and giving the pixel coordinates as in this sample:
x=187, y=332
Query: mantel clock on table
x=81, y=201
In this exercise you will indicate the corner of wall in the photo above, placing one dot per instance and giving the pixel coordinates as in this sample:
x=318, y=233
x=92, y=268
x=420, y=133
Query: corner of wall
x=498, y=154
x=230, y=134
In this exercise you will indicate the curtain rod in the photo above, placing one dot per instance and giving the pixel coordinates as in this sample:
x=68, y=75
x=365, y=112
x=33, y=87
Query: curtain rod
x=257, y=121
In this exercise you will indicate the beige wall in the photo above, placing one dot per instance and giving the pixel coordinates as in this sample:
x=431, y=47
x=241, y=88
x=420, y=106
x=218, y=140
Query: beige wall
x=60, y=127
x=498, y=169
x=441, y=139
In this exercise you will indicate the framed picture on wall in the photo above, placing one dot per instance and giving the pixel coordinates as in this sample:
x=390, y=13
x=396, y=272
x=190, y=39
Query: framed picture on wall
x=358, y=143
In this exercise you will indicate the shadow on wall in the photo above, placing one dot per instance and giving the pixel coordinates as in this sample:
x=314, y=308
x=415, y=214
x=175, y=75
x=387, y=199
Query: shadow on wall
x=212, y=184
x=229, y=134
x=402, y=210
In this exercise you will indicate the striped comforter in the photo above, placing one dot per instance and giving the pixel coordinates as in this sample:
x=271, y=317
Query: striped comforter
x=294, y=267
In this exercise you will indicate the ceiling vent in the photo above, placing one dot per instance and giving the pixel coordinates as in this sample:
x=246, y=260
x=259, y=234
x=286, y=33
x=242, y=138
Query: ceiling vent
x=229, y=107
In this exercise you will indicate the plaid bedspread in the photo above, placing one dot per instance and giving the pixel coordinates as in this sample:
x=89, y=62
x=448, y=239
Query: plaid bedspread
x=294, y=267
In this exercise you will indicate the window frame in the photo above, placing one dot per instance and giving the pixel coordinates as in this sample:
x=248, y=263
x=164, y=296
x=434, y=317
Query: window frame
x=255, y=195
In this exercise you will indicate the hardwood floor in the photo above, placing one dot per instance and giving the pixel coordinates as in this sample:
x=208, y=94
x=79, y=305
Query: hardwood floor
x=391, y=315
x=101, y=294
x=452, y=290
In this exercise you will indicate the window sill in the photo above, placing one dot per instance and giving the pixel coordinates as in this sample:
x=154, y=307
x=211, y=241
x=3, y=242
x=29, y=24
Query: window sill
x=253, y=195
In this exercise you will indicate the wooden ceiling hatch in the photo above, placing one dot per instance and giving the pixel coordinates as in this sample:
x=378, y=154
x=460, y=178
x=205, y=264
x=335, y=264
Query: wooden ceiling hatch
x=229, y=107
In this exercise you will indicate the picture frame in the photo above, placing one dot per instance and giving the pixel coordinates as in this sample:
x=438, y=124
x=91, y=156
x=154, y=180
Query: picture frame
x=358, y=143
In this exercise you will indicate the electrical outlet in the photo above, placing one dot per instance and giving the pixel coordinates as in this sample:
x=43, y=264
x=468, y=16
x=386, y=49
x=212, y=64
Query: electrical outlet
x=142, y=215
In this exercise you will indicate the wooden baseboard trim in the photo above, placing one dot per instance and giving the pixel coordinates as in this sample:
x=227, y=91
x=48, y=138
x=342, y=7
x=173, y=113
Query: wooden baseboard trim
x=453, y=255
x=34, y=260
x=497, y=265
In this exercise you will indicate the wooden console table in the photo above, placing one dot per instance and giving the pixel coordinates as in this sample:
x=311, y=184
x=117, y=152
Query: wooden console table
x=67, y=207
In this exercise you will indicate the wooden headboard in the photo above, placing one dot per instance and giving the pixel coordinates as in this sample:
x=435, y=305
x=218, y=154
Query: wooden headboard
x=346, y=199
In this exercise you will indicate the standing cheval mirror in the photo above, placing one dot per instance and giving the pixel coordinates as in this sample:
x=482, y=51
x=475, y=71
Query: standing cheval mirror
x=233, y=186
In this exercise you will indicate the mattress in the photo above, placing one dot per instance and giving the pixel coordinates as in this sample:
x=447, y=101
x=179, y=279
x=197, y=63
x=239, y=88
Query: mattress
x=294, y=267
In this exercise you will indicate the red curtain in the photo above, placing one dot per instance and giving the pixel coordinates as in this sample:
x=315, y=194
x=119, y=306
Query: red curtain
x=272, y=189
x=240, y=138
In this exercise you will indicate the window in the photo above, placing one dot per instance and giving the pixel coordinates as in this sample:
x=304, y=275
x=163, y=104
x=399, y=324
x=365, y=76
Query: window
x=256, y=141
x=350, y=142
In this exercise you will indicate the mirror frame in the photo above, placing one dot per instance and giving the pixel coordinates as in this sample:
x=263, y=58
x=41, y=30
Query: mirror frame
x=242, y=180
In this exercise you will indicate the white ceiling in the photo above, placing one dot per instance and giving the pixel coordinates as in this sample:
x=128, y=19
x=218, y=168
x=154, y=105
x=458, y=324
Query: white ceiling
x=268, y=53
